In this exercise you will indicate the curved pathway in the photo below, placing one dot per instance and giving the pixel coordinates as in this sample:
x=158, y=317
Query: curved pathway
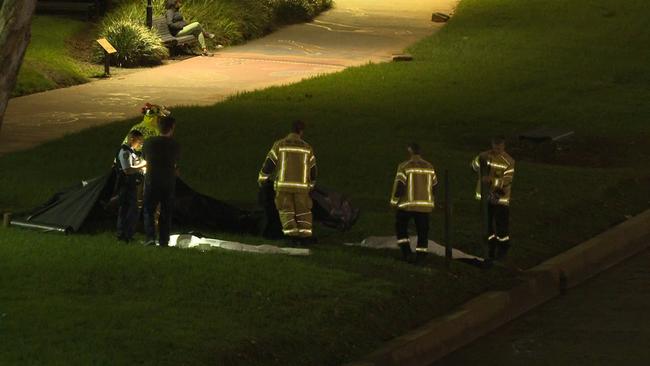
x=353, y=33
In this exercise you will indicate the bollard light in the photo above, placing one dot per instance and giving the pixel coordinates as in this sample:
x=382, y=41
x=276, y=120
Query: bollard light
x=149, y=14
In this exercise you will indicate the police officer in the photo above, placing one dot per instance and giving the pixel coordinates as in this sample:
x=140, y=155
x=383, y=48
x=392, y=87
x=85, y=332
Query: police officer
x=496, y=170
x=129, y=177
x=148, y=127
x=413, y=196
x=291, y=164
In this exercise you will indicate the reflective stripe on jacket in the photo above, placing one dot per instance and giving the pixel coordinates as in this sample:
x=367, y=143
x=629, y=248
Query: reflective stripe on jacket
x=413, y=186
x=291, y=164
x=501, y=169
x=148, y=128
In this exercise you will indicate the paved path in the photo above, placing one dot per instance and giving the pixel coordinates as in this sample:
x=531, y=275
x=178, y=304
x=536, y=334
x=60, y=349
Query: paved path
x=603, y=322
x=353, y=33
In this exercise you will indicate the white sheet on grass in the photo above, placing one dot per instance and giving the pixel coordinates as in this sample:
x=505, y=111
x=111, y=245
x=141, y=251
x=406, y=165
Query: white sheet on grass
x=389, y=242
x=191, y=241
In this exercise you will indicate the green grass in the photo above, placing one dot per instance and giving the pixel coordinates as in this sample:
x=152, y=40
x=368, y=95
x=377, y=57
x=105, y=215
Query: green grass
x=84, y=300
x=51, y=61
x=500, y=66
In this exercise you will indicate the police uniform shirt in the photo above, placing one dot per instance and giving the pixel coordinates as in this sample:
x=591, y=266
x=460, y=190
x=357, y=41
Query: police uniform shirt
x=128, y=158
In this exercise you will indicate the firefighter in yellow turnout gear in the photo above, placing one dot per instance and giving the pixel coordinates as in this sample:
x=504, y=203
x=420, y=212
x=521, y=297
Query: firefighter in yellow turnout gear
x=149, y=125
x=496, y=170
x=291, y=164
x=414, y=197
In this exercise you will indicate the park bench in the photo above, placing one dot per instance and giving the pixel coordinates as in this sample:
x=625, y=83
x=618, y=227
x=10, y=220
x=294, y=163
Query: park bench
x=159, y=25
x=88, y=8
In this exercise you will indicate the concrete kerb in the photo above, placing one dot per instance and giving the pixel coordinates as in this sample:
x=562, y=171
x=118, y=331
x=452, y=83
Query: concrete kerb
x=491, y=310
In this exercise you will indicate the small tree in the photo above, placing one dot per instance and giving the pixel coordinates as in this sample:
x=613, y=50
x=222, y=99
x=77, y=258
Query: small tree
x=15, y=23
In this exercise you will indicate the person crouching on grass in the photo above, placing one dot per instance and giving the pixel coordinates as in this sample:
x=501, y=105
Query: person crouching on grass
x=130, y=176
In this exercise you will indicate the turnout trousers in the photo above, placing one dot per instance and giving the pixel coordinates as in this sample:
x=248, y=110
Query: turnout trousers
x=295, y=213
x=498, y=231
x=402, y=220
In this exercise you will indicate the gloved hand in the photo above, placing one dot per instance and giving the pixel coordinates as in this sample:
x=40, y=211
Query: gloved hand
x=494, y=197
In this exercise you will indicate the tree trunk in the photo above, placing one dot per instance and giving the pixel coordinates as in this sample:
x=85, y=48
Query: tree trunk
x=15, y=23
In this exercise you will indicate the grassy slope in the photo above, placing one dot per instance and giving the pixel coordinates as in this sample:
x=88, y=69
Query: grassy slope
x=50, y=62
x=499, y=66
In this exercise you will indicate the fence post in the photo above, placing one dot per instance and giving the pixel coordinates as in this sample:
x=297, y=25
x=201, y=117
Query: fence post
x=484, y=172
x=107, y=64
x=448, y=246
x=149, y=14
x=6, y=219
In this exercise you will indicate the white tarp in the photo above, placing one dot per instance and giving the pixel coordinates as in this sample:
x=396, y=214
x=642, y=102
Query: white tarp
x=191, y=241
x=389, y=242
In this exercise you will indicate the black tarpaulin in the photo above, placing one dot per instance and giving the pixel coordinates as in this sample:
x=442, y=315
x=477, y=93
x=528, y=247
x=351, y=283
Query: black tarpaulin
x=72, y=209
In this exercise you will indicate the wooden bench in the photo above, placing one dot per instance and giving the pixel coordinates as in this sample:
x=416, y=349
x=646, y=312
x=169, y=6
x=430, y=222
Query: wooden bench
x=88, y=8
x=161, y=28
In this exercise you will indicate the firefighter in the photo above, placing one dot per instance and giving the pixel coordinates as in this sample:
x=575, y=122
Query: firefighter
x=414, y=196
x=496, y=170
x=151, y=114
x=291, y=165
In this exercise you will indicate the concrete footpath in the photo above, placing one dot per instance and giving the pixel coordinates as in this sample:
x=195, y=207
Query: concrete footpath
x=602, y=322
x=491, y=310
x=354, y=32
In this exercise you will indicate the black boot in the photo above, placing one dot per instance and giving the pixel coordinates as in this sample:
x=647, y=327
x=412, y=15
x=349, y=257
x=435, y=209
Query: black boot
x=492, y=249
x=308, y=241
x=420, y=257
x=406, y=252
x=502, y=251
x=491, y=255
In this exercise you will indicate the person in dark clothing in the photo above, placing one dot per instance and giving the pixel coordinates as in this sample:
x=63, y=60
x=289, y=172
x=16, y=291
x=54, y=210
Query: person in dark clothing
x=162, y=154
x=179, y=27
x=130, y=169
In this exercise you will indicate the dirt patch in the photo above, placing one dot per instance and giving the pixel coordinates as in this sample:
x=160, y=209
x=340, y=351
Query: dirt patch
x=82, y=44
x=587, y=151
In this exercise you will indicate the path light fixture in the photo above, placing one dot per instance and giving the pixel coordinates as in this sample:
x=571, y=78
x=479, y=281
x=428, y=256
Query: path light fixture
x=149, y=14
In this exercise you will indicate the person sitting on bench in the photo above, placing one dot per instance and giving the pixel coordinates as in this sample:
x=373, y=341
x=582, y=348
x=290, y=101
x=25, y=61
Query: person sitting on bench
x=178, y=26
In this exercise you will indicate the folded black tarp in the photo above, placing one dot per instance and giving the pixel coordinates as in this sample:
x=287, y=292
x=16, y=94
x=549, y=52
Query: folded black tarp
x=73, y=208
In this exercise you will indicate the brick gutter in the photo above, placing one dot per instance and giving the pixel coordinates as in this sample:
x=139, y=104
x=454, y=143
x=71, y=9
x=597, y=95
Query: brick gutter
x=493, y=309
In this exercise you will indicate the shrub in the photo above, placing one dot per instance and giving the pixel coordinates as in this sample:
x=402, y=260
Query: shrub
x=136, y=45
x=292, y=11
x=219, y=17
x=232, y=21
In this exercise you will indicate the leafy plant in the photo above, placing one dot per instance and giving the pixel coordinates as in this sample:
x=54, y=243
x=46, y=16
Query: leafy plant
x=136, y=45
